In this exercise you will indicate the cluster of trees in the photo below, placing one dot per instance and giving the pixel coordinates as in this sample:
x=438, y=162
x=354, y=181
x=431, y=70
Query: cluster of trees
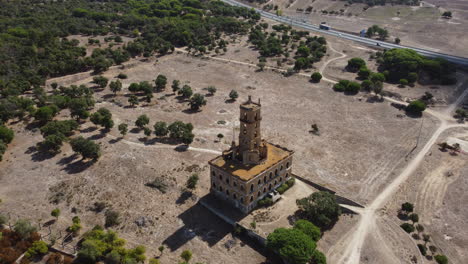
x=384, y=2
x=284, y=40
x=297, y=245
x=372, y=81
x=99, y=245
x=320, y=208
x=102, y=117
x=33, y=47
x=347, y=87
x=407, y=213
x=55, y=133
x=177, y=130
x=407, y=64
x=375, y=29
x=15, y=242
x=416, y=107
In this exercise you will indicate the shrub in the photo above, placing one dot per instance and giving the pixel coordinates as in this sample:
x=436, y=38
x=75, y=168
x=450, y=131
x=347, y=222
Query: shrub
x=197, y=101
x=192, y=181
x=186, y=255
x=265, y=202
x=309, y=229
x=423, y=249
x=233, y=95
x=122, y=76
x=160, y=129
x=24, y=228
x=211, y=90
x=407, y=207
x=159, y=184
x=6, y=134
x=316, y=77
x=364, y=72
x=416, y=107
x=318, y=258
x=55, y=213
x=37, y=248
x=52, y=143
x=409, y=228
x=65, y=127
x=441, y=259
x=403, y=82
x=46, y=113
x=112, y=218
x=103, y=117
x=100, y=81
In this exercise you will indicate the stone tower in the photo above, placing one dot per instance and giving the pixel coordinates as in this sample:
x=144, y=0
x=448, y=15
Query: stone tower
x=251, y=149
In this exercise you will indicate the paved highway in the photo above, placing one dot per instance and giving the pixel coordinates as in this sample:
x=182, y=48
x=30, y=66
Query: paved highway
x=367, y=41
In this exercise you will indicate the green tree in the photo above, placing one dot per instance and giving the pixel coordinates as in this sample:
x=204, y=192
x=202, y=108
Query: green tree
x=441, y=259
x=414, y=217
x=142, y=121
x=179, y=130
x=364, y=72
x=175, y=85
x=134, y=87
x=186, y=91
x=52, y=143
x=86, y=148
x=186, y=255
x=355, y=64
x=115, y=86
x=100, y=81
x=55, y=213
x=320, y=208
x=6, y=134
x=133, y=100
x=112, y=218
x=397, y=41
x=233, y=95
x=211, y=90
x=161, y=82
x=38, y=248
x=416, y=107
x=197, y=101
x=309, y=229
x=46, y=113
x=123, y=129
x=103, y=117
x=291, y=244
x=122, y=76
x=409, y=228
x=316, y=77
x=366, y=85
x=318, y=258
x=160, y=129
x=24, y=228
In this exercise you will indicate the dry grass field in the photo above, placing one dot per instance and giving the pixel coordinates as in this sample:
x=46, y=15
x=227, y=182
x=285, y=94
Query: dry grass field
x=363, y=144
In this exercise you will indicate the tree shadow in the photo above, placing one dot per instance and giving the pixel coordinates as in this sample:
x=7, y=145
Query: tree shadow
x=135, y=130
x=49, y=223
x=97, y=136
x=115, y=140
x=181, y=148
x=67, y=160
x=413, y=114
x=78, y=166
x=38, y=155
x=88, y=129
x=191, y=111
x=108, y=96
x=229, y=101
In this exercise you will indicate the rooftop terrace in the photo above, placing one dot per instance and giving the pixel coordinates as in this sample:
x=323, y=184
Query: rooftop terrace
x=275, y=154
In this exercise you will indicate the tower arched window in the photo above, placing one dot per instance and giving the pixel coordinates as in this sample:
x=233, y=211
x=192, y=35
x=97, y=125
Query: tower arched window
x=251, y=188
x=227, y=192
x=259, y=193
x=276, y=172
x=235, y=197
x=220, y=188
x=287, y=165
x=271, y=175
x=251, y=198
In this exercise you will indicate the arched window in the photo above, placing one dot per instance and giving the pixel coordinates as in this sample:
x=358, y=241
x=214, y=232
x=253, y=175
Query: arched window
x=256, y=116
x=251, y=198
x=251, y=188
x=242, y=187
x=269, y=187
x=235, y=196
x=213, y=173
x=214, y=184
x=281, y=167
x=276, y=182
x=271, y=174
x=235, y=184
x=287, y=175
x=221, y=177
x=259, y=193
x=264, y=190
x=220, y=188
x=227, y=192
x=259, y=181
x=287, y=165
x=227, y=180
x=276, y=172
x=281, y=179
x=242, y=200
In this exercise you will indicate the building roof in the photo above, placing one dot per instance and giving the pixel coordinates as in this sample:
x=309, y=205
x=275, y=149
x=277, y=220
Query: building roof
x=246, y=172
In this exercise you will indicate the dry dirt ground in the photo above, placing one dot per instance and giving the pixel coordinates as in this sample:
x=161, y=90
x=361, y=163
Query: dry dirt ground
x=416, y=26
x=362, y=146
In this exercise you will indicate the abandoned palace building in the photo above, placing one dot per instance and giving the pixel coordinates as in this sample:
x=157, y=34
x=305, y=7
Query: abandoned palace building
x=247, y=172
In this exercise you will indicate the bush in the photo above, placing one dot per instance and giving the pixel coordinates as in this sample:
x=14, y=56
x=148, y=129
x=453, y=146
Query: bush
x=122, y=76
x=316, y=77
x=441, y=259
x=6, y=134
x=407, y=207
x=233, y=95
x=423, y=249
x=24, y=228
x=416, y=107
x=86, y=148
x=37, y=248
x=100, y=81
x=320, y=208
x=197, y=101
x=159, y=184
x=265, y=202
x=285, y=186
x=52, y=143
x=103, y=117
x=364, y=73
x=65, y=127
x=409, y=228
x=160, y=129
x=46, y=113
x=347, y=86
x=112, y=218
x=309, y=229
x=192, y=181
